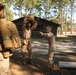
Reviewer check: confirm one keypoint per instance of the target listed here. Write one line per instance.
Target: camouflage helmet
(48, 27)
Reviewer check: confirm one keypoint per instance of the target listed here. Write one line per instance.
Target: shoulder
(50, 34)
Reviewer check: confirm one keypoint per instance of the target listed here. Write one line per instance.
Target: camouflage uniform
(26, 42)
(51, 42)
(4, 53)
(7, 44)
(9, 37)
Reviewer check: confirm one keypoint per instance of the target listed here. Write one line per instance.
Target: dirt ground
(65, 51)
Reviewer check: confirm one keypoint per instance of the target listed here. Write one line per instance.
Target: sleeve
(48, 34)
(34, 25)
(25, 21)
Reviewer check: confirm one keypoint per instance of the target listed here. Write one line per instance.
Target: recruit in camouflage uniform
(9, 36)
(51, 41)
(9, 39)
(29, 24)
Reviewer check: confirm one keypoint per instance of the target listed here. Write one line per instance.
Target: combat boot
(50, 65)
(23, 59)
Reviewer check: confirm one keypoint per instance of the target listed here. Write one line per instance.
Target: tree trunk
(71, 19)
(26, 11)
(66, 21)
(61, 19)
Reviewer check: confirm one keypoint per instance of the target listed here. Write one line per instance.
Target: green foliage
(54, 10)
(9, 14)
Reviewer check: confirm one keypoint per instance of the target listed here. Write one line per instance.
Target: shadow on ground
(38, 66)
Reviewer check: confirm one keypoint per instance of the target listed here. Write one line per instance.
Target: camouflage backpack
(9, 34)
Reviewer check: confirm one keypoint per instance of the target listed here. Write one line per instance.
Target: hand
(41, 33)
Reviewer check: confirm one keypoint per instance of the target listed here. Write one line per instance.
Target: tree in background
(62, 16)
(52, 10)
(28, 6)
(72, 4)
(9, 14)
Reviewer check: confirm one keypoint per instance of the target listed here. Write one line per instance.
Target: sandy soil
(64, 52)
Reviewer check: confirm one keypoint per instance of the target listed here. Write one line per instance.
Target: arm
(24, 27)
(25, 21)
(34, 25)
(46, 34)
(41, 33)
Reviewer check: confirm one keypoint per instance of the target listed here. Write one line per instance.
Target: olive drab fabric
(9, 34)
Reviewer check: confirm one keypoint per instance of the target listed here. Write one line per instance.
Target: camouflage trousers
(51, 55)
(26, 47)
(4, 66)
